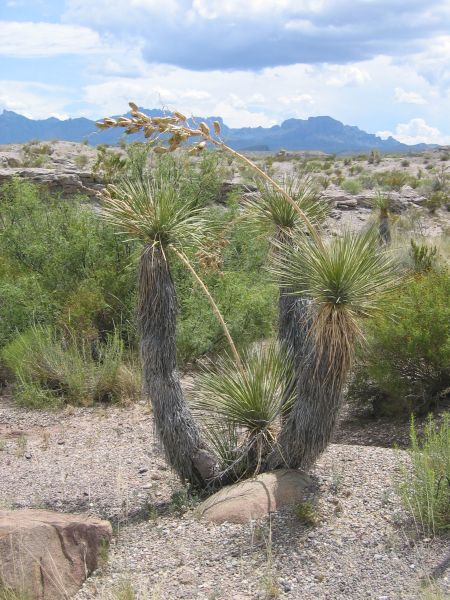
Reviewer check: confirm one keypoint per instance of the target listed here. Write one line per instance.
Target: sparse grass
(81, 160)
(51, 370)
(36, 154)
(21, 445)
(306, 513)
(431, 591)
(8, 593)
(103, 551)
(425, 490)
(124, 591)
(269, 582)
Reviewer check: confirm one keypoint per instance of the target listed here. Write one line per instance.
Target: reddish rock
(46, 555)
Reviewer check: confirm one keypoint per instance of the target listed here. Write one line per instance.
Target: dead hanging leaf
(216, 127)
(133, 106)
(179, 116)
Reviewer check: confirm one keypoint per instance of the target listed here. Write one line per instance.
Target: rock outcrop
(67, 182)
(46, 555)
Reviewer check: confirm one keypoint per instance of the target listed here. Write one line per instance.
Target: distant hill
(315, 133)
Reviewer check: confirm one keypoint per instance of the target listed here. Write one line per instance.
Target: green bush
(393, 180)
(405, 365)
(352, 186)
(61, 267)
(425, 488)
(241, 288)
(51, 369)
(57, 259)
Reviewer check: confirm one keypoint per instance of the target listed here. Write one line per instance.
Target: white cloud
(416, 131)
(296, 99)
(32, 40)
(434, 62)
(404, 97)
(214, 9)
(33, 99)
(347, 75)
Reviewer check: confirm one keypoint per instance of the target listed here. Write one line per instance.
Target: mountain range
(315, 133)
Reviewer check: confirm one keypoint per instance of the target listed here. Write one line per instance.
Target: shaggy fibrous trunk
(309, 426)
(292, 318)
(175, 425)
(292, 324)
(384, 230)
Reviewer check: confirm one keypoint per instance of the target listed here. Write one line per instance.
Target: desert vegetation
(246, 313)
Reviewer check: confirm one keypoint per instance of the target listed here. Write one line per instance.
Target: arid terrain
(357, 544)
(106, 461)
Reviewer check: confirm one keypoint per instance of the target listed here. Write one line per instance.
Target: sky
(382, 65)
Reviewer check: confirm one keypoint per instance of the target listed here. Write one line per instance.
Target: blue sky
(383, 65)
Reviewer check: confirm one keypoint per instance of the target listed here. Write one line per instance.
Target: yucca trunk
(308, 429)
(384, 230)
(175, 425)
(292, 318)
(292, 324)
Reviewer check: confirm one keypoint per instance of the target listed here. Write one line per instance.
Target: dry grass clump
(51, 370)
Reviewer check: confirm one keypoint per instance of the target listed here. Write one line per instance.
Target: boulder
(67, 182)
(347, 204)
(257, 497)
(46, 555)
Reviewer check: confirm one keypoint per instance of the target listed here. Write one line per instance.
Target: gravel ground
(107, 462)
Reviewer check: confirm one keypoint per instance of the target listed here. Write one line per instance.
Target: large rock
(46, 555)
(255, 498)
(67, 182)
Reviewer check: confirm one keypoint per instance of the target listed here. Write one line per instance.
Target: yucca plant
(345, 278)
(153, 212)
(242, 408)
(272, 215)
(341, 280)
(382, 203)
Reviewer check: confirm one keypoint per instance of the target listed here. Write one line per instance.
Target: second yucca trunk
(320, 379)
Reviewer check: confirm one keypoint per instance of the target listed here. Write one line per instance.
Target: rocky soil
(66, 167)
(107, 462)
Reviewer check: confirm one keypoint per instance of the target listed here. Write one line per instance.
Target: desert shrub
(233, 272)
(423, 257)
(425, 488)
(81, 160)
(374, 157)
(109, 164)
(352, 186)
(393, 180)
(405, 163)
(23, 302)
(405, 365)
(60, 256)
(35, 154)
(356, 169)
(437, 200)
(51, 369)
(61, 266)
(247, 303)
